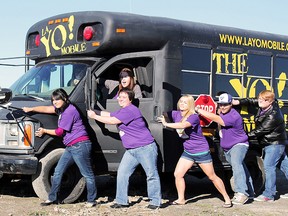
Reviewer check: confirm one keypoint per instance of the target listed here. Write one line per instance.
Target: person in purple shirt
(76, 140)
(140, 149)
(196, 148)
(126, 80)
(234, 141)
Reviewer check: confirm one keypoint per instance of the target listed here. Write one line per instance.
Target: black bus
(169, 58)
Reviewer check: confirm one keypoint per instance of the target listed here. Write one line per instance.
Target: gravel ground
(17, 198)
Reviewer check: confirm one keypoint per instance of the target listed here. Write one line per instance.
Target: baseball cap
(225, 99)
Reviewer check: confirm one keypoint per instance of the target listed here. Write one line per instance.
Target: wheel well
(48, 146)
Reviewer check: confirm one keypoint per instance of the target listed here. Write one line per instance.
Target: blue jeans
(284, 164)
(147, 157)
(242, 179)
(80, 153)
(272, 157)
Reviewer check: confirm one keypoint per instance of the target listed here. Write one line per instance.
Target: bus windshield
(43, 79)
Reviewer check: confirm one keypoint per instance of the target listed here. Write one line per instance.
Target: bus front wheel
(72, 183)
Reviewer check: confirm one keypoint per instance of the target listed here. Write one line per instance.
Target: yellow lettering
(217, 57)
(252, 92)
(45, 40)
(76, 48)
(281, 83)
(63, 33)
(242, 63)
(238, 62)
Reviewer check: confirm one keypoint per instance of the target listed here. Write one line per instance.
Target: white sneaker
(262, 198)
(284, 196)
(90, 204)
(239, 199)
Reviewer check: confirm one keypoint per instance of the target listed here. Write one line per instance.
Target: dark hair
(128, 72)
(60, 94)
(129, 92)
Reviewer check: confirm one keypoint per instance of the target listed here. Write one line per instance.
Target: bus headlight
(13, 130)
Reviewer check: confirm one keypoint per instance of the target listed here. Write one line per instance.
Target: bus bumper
(18, 164)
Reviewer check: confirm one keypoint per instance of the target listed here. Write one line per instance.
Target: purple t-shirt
(133, 131)
(233, 132)
(194, 142)
(70, 121)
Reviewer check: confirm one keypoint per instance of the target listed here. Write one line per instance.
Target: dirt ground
(17, 198)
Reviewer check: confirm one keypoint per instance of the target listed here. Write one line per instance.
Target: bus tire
(255, 166)
(72, 183)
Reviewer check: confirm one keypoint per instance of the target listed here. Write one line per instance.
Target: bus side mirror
(5, 95)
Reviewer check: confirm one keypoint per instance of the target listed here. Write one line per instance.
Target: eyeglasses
(225, 104)
(262, 100)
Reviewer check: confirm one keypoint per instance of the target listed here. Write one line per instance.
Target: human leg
(182, 167)
(284, 164)
(272, 156)
(127, 166)
(284, 169)
(64, 162)
(147, 157)
(218, 183)
(81, 153)
(235, 156)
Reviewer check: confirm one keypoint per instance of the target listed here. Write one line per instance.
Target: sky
(17, 17)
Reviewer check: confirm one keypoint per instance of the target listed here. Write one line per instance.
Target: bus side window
(144, 76)
(196, 70)
(281, 78)
(226, 76)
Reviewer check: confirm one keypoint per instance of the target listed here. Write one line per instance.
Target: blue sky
(17, 16)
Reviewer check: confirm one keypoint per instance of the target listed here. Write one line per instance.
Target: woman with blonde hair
(196, 148)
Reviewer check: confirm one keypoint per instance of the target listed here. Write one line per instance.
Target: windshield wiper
(32, 96)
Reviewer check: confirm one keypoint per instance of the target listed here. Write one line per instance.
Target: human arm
(39, 109)
(104, 117)
(41, 131)
(211, 116)
(176, 125)
(246, 102)
(137, 91)
(267, 124)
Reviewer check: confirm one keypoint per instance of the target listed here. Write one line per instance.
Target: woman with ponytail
(76, 140)
(196, 148)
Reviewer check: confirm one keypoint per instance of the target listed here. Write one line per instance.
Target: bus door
(143, 68)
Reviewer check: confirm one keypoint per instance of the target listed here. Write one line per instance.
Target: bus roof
(96, 33)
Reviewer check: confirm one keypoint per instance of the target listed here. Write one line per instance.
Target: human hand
(161, 119)
(40, 132)
(91, 114)
(235, 102)
(27, 109)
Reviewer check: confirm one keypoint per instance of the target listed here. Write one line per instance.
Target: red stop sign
(207, 103)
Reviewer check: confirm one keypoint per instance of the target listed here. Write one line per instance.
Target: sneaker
(262, 198)
(90, 204)
(239, 199)
(153, 207)
(284, 196)
(47, 203)
(116, 205)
